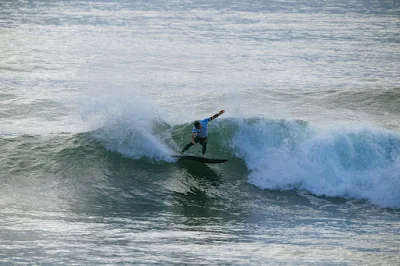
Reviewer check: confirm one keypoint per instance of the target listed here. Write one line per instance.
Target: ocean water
(96, 97)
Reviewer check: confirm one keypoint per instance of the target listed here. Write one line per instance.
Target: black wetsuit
(203, 142)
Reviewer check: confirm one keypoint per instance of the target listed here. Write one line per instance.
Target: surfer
(200, 133)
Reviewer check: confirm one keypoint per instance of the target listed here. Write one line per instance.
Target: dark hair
(196, 124)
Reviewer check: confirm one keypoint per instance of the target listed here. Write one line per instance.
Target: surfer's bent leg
(203, 143)
(190, 144)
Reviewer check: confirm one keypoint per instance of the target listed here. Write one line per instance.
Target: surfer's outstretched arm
(216, 115)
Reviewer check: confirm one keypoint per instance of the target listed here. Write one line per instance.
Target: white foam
(354, 163)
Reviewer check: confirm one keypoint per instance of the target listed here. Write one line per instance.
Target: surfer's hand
(221, 112)
(193, 142)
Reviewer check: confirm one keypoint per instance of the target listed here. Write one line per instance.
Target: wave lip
(362, 164)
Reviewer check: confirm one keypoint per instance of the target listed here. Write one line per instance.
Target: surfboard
(199, 159)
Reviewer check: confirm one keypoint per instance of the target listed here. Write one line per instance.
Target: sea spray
(124, 121)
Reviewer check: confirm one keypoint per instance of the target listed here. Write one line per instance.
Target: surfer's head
(197, 124)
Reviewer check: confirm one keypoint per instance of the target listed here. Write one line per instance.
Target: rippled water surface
(95, 97)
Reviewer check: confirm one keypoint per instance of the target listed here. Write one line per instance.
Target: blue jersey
(203, 132)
